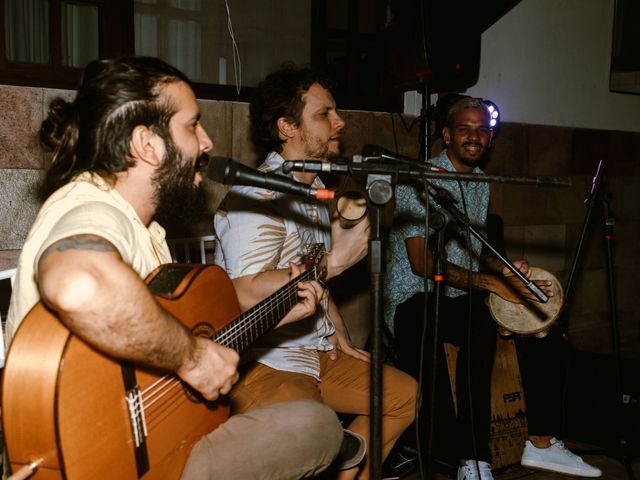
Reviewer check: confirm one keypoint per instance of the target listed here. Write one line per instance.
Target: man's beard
(473, 161)
(178, 201)
(316, 149)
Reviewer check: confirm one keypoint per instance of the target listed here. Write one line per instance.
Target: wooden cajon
(508, 417)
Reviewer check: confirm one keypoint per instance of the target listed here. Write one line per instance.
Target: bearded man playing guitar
(127, 152)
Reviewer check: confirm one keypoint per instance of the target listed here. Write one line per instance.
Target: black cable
(469, 320)
(423, 335)
(408, 128)
(425, 49)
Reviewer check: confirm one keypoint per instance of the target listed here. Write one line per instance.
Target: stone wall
(541, 224)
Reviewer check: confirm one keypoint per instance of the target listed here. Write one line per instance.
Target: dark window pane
(80, 34)
(26, 26)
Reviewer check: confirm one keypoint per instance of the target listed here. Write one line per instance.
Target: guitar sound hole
(195, 397)
(201, 329)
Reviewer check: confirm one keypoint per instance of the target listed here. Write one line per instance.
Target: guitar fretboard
(250, 325)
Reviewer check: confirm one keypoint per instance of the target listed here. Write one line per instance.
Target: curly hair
(93, 132)
(280, 95)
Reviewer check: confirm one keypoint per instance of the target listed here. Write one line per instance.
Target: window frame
(115, 40)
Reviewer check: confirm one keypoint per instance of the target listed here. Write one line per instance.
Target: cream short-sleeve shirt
(86, 205)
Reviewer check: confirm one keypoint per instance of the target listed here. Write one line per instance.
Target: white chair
(5, 275)
(192, 249)
(10, 275)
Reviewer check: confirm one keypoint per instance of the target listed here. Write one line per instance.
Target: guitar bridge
(136, 415)
(136, 418)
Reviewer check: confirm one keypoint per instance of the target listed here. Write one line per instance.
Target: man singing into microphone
(261, 232)
(125, 153)
(464, 317)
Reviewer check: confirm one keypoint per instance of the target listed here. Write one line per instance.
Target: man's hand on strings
(310, 293)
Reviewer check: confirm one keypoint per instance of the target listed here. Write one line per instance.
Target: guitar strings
(245, 322)
(234, 331)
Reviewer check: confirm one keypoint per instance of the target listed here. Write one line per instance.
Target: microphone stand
(590, 200)
(400, 168)
(609, 222)
(438, 278)
(425, 117)
(596, 195)
(379, 192)
(410, 170)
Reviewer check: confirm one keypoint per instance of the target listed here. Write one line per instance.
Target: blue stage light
(494, 112)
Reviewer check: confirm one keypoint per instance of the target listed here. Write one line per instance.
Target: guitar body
(64, 404)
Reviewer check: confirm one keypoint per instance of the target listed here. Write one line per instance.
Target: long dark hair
(93, 132)
(280, 95)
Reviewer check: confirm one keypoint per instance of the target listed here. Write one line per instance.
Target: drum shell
(531, 318)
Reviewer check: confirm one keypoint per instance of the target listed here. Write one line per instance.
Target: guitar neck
(252, 324)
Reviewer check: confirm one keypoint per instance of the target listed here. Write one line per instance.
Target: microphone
(362, 164)
(377, 151)
(315, 166)
(374, 159)
(229, 172)
(403, 168)
(595, 182)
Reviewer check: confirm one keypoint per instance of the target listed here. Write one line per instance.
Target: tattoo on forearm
(80, 242)
(459, 277)
(456, 277)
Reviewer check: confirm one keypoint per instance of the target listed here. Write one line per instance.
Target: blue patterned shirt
(400, 282)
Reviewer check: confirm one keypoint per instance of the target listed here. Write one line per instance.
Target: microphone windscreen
(218, 168)
(370, 150)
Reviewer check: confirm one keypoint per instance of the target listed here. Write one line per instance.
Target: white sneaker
(469, 471)
(557, 458)
(352, 450)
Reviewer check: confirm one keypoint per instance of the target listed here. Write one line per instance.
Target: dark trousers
(542, 368)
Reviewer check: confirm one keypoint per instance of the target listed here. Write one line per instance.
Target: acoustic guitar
(71, 412)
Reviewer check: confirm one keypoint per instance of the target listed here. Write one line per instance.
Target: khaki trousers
(344, 387)
(283, 441)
